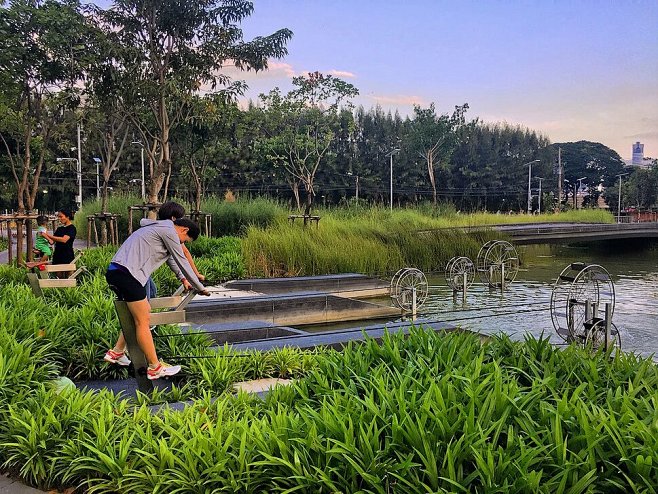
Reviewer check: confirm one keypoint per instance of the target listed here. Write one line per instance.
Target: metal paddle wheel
(460, 273)
(409, 289)
(580, 293)
(497, 263)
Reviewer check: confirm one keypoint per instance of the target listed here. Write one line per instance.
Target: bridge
(564, 233)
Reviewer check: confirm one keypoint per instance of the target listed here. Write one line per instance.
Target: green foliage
(301, 126)
(592, 160)
(429, 412)
(378, 241)
(233, 218)
(117, 204)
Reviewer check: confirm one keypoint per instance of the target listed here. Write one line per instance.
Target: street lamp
(98, 180)
(349, 174)
(138, 143)
(619, 199)
(529, 165)
(390, 154)
(78, 198)
(580, 184)
(539, 202)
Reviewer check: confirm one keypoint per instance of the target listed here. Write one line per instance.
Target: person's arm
(63, 239)
(188, 256)
(175, 249)
(174, 267)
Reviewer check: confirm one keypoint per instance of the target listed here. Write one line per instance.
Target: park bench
(306, 217)
(40, 275)
(174, 314)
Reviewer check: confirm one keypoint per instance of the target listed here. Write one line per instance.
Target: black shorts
(125, 286)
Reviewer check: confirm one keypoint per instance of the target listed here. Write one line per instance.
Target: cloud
(653, 134)
(275, 70)
(341, 73)
(397, 99)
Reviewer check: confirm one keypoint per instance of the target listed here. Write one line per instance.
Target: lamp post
(98, 180)
(529, 165)
(390, 154)
(78, 172)
(619, 199)
(138, 143)
(580, 184)
(349, 174)
(539, 201)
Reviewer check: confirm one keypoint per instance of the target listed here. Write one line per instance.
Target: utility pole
(529, 165)
(390, 154)
(560, 178)
(619, 198)
(539, 201)
(79, 170)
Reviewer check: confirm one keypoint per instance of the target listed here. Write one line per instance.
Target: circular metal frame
(577, 284)
(402, 285)
(595, 337)
(497, 263)
(456, 268)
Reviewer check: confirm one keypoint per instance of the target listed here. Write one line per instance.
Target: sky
(569, 69)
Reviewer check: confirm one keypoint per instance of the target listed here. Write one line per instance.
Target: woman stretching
(137, 258)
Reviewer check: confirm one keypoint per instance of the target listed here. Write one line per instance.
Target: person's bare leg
(141, 311)
(120, 345)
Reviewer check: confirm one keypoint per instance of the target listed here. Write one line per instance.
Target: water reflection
(524, 306)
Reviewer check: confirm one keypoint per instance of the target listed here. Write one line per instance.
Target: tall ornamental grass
(117, 204)
(228, 218)
(427, 413)
(235, 217)
(366, 245)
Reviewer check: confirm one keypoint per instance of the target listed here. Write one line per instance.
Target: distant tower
(638, 153)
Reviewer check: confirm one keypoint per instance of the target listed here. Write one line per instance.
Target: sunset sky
(570, 69)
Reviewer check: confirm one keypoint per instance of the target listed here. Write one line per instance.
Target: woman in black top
(63, 238)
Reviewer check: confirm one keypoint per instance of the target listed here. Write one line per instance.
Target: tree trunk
(430, 171)
(295, 190)
(309, 197)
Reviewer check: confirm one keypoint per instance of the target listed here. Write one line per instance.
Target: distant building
(638, 154)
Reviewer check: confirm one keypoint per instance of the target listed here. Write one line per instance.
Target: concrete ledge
(333, 283)
(288, 310)
(338, 339)
(223, 333)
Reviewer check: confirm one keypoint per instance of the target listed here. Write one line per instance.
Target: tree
(434, 138)
(488, 169)
(597, 163)
(38, 73)
(204, 140)
(302, 126)
(170, 50)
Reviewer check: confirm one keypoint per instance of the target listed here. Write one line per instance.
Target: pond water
(524, 307)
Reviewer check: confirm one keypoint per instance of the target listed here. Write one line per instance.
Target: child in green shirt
(42, 245)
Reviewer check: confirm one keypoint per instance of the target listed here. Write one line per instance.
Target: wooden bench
(40, 277)
(307, 218)
(175, 314)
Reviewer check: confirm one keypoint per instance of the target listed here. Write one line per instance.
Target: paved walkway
(13, 486)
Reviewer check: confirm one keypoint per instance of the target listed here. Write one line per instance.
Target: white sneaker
(118, 358)
(162, 370)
